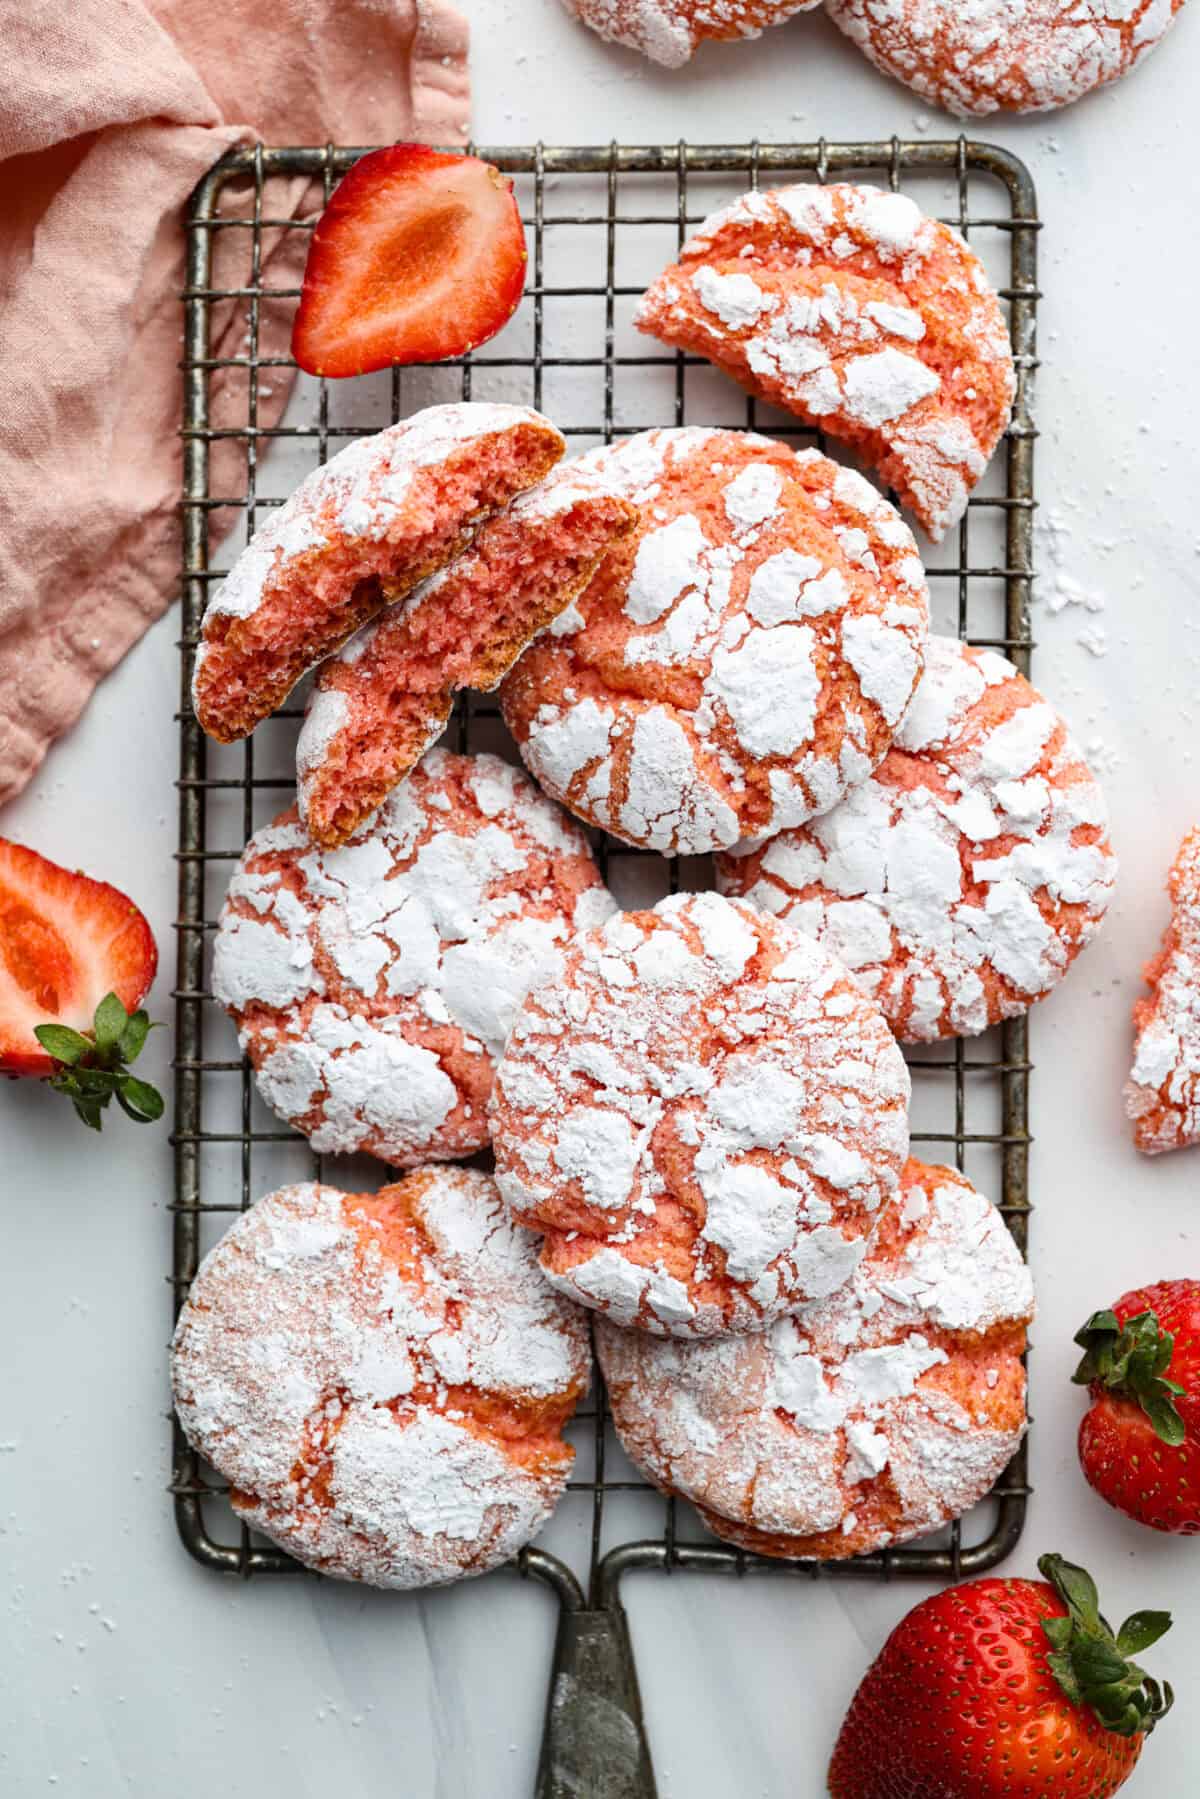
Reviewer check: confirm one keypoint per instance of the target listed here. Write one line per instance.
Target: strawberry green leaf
(1064, 1673)
(61, 1042)
(134, 1036)
(109, 1021)
(1075, 1586)
(1161, 1411)
(1140, 1630)
(95, 1081)
(140, 1100)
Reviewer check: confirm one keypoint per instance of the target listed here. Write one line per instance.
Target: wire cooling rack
(601, 223)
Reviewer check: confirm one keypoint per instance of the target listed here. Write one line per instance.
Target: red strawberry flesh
(420, 255)
(65, 941)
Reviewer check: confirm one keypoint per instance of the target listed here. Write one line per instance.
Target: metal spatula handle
(594, 1745)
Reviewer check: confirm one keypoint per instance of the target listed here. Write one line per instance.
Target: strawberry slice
(419, 255)
(65, 942)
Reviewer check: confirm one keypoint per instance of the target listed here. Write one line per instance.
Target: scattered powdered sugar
(1060, 591)
(992, 54)
(703, 1114)
(1162, 1096)
(870, 1416)
(960, 881)
(361, 1368)
(845, 304)
(668, 31)
(373, 985)
(772, 608)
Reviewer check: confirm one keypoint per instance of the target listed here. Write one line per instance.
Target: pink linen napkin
(112, 110)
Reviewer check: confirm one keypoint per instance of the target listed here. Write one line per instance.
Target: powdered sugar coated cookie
(670, 31)
(377, 706)
(739, 662)
(849, 307)
(867, 1418)
(990, 55)
(703, 1114)
(358, 532)
(961, 881)
(1163, 1093)
(383, 1378)
(373, 985)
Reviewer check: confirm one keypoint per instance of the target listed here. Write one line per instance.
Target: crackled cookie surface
(1162, 1096)
(704, 1116)
(383, 1378)
(373, 985)
(670, 31)
(867, 1418)
(992, 55)
(739, 661)
(961, 881)
(357, 534)
(378, 705)
(849, 307)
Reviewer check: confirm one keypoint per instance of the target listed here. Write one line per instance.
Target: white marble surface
(124, 1668)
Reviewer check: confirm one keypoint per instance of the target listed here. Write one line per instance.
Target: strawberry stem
(1133, 1359)
(92, 1065)
(1092, 1666)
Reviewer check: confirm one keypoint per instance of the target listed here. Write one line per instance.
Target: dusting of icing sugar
(1060, 591)
(770, 609)
(992, 55)
(351, 1396)
(962, 878)
(373, 985)
(669, 31)
(909, 1371)
(1162, 1095)
(848, 306)
(702, 1064)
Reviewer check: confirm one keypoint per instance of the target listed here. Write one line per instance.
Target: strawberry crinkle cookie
(379, 704)
(358, 533)
(704, 1116)
(373, 985)
(383, 1378)
(670, 31)
(1162, 1096)
(869, 1417)
(961, 881)
(737, 663)
(850, 308)
(992, 55)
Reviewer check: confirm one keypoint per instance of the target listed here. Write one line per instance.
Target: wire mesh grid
(601, 223)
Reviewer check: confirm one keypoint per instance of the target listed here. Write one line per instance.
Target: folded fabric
(112, 111)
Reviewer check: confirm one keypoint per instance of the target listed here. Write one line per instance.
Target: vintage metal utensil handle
(594, 1745)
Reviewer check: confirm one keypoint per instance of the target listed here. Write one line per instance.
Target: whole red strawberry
(1013, 1688)
(1140, 1440)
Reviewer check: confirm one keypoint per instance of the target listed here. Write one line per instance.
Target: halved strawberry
(65, 942)
(419, 255)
